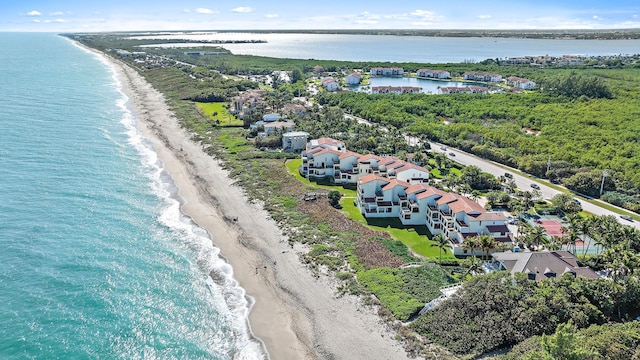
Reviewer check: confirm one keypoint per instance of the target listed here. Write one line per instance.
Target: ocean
(97, 261)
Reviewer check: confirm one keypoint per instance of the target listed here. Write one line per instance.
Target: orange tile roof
(368, 157)
(446, 198)
(464, 204)
(416, 188)
(327, 150)
(490, 216)
(393, 183)
(371, 177)
(347, 154)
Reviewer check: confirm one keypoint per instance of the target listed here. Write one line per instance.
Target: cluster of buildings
(395, 89)
(388, 187)
(433, 74)
(330, 84)
(386, 71)
(517, 83)
(522, 83)
(482, 76)
(246, 102)
(464, 90)
(273, 124)
(546, 60)
(353, 79)
(540, 265)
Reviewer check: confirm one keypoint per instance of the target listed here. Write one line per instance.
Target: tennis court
(552, 227)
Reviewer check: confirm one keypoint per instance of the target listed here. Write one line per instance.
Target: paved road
(522, 180)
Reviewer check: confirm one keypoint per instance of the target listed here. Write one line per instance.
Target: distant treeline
(529, 34)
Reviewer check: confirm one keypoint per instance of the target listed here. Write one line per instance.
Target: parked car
(508, 175)
(535, 186)
(452, 154)
(626, 217)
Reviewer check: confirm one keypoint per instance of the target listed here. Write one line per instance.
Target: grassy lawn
(415, 237)
(293, 165)
(222, 114)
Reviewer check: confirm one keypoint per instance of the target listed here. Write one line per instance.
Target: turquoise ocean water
(96, 260)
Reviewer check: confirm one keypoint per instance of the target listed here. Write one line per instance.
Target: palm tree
(471, 244)
(610, 233)
(537, 236)
(473, 266)
(586, 227)
(556, 243)
(441, 242)
(487, 243)
(572, 229)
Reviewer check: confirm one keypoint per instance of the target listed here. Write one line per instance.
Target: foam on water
(98, 260)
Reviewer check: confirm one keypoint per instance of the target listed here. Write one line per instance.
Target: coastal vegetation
(550, 134)
(496, 310)
(582, 135)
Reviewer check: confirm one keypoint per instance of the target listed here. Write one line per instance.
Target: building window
(388, 210)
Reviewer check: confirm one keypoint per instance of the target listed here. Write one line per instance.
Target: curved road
(523, 181)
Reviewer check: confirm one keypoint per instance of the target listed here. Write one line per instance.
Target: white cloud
(36, 20)
(242, 9)
(366, 22)
(596, 17)
(368, 15)
(34, 13)
(424, 14)
(56, 21)
(205, 11)
(484, 16)
(635, 16)
(272, 16)
(57, 13)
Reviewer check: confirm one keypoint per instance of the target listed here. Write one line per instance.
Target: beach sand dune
(295, 315)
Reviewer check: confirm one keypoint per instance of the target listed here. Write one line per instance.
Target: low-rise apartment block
(388, 187)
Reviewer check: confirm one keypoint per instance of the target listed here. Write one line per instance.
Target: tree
(472, 244)
(536, 237)
(473, 265)
(565, 203)
(296, 75)
(441, 242)
(565, 344)
(487, 243)
(334, 198)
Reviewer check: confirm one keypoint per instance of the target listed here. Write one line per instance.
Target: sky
(141, 15)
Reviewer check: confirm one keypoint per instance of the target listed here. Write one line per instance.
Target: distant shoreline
(293, 314)
(581, 34)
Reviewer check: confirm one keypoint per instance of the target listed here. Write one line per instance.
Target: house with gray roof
(540, 265)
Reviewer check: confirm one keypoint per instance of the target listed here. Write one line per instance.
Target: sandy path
(295, 315)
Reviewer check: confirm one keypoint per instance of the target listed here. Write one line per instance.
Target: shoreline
(291, 313)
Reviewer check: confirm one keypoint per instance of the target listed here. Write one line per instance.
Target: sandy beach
(295, 315)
